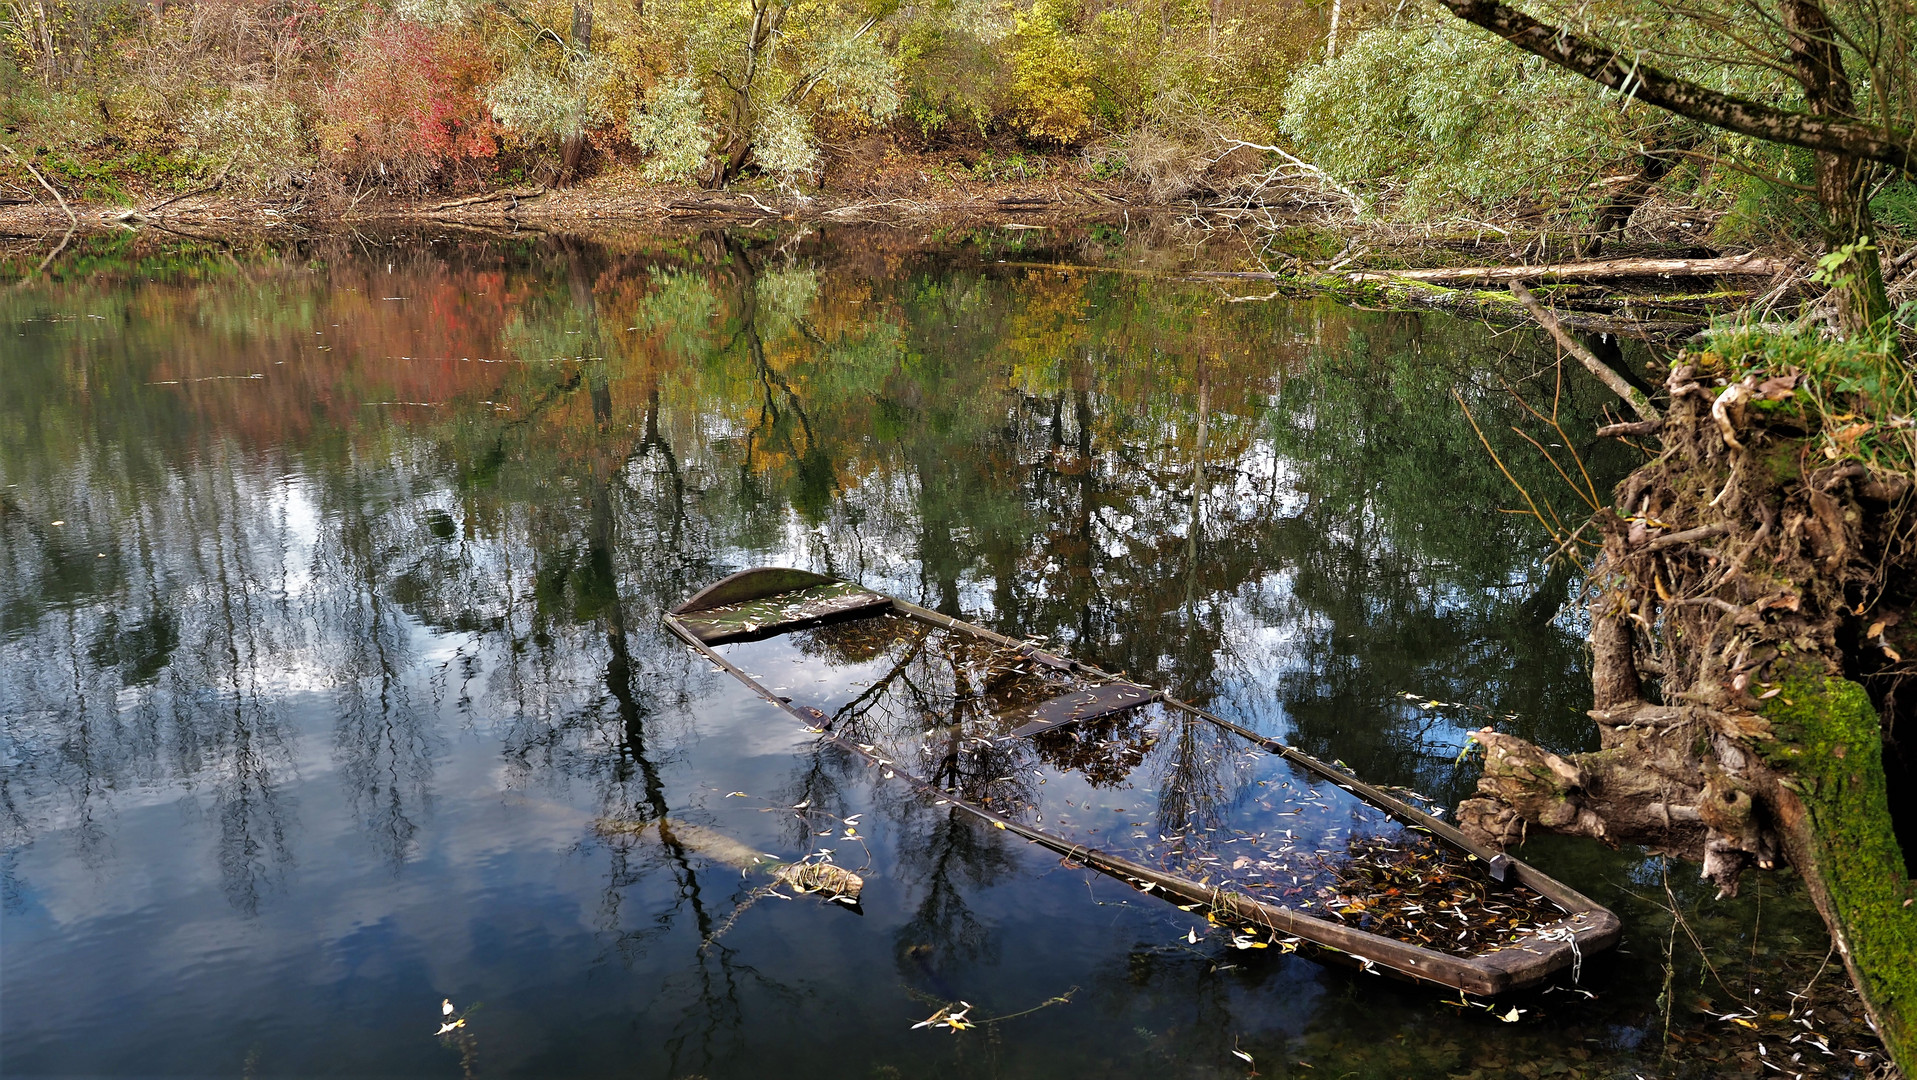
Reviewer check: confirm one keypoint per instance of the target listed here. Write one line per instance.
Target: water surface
(333, 685)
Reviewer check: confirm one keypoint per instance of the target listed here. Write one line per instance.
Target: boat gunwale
(1586, 926)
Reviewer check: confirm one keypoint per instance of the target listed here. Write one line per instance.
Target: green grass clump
(1858, 396)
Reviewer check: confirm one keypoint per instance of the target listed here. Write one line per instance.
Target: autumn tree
(1851, 97)
(755, 82)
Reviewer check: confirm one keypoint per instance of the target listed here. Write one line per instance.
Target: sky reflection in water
(330, 583)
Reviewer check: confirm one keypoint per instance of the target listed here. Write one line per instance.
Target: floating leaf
(948, 1017)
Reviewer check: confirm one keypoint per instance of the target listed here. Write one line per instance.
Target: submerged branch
(1631, 394)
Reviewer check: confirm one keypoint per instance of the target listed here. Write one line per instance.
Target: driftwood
(1596, 270)
(833, 882)
(1636, 427)
(495, 196)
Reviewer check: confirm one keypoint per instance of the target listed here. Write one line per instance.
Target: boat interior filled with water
(1279, 848)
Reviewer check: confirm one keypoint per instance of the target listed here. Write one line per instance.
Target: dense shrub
(545, 101)
(1453, 117)
(255, 133)
(403, 107)
(672, 130)
(1051, 76)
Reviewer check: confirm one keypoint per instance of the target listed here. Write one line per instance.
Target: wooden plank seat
(778, 613)
(1079, 706)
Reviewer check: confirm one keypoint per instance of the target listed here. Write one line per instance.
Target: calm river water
(330, 582)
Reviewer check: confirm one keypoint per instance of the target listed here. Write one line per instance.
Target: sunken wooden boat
(1279, 847)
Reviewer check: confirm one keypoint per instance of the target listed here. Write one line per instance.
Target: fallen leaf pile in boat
(1417, 889)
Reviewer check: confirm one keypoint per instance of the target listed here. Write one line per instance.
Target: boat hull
(768, 602)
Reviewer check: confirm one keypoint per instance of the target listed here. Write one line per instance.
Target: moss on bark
(1828, 751)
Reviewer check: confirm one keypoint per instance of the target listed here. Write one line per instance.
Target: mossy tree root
(1749, 623)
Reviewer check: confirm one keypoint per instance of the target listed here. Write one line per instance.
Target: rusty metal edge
(1590, 927)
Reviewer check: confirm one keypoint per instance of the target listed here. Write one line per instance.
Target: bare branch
(1631, 394)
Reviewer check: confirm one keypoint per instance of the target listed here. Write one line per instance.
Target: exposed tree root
(1749, 615)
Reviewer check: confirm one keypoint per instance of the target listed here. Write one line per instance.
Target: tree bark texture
(573, 150)
(1629, 76)
(1764, 589)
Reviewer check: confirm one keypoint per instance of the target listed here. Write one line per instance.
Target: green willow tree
(1854, 108)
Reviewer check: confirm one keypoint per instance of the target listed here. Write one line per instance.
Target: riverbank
(1283, 242)
(1303, 216)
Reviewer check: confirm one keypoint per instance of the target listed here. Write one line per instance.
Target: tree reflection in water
(457, 518)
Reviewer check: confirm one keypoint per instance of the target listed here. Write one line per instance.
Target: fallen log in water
(487, 197)
(1596, 270)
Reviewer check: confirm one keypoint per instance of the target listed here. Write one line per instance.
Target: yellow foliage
(1050, 77)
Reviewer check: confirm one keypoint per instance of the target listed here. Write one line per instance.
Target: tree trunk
(1843, 181)
(573, 150)
(49, 52)
(1654, 164)
(767, 15)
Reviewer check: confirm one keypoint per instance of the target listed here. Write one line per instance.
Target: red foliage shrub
(405, 105)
